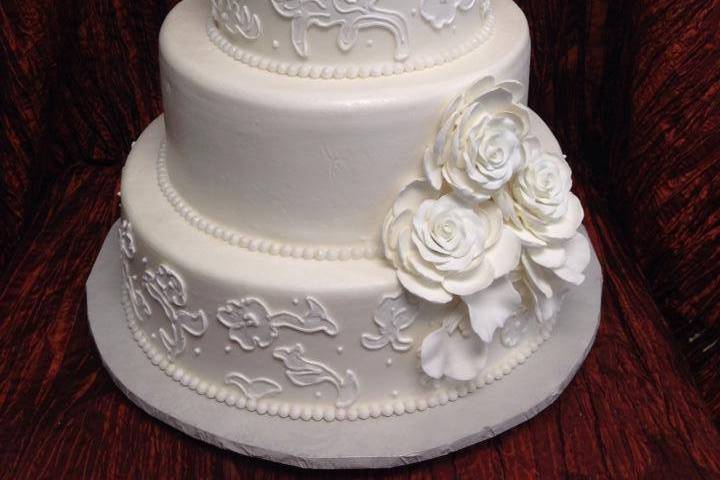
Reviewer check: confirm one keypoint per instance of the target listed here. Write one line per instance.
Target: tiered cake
(347, 211)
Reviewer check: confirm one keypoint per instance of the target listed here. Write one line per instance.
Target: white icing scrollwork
(236, 19)
(303, 372)
(127, 240)
(139, 304)
(167, 289)
(441, 13)
(255, 388)
(350, 15)
(393, 314)
(251, 325)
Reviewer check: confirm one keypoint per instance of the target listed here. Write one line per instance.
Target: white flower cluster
(494, 224)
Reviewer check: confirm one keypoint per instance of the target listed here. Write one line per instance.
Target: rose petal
(421, 267)
(544, 308)
(492, 214)
(578, 252)
(412, 195)
(467, 283)
(433, 171)
(548, 257)
(570, 275)
(490, 308)
(453, 356)
(412, 262)
(423, 288)
(536, 277)
(527, 237)
(516, 89)
(463, 185)
(533, 147)
(504, 256)
(433, 353)
(568, 225)
(578, 257)
(491, 102)
(426, 253)
(506, 204)
(480, 87)
(436, 158)
(392, 228)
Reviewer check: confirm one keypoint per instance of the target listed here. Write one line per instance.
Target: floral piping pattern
(251, 325)
(303, 373)
(255, 388)
(236, 19)
(392, 315)
(255, 244)
(320, 71)
(257, 393)
(139, 303)
(274, 407)
(350, 15)
(127, 240)
(441, 13)
(168, 290)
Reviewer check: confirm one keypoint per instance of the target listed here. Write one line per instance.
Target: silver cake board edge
(374, 443)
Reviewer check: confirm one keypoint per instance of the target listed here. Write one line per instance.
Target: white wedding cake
(347, 211)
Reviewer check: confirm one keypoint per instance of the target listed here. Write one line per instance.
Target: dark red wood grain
(631, 89)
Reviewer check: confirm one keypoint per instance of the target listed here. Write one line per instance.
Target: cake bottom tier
(304, 339)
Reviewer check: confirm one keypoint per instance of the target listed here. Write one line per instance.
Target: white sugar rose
(442, 247)
(546, 216)
(483, 140)
(545, 210)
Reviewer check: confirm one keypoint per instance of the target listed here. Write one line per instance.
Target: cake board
(376, 443)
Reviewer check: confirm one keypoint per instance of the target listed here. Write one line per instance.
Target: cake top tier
(348, 38)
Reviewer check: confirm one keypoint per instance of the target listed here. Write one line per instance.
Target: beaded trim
(365, 250)
(330, 413)
(352, 71)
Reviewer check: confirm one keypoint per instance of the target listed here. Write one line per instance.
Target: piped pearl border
(306, 412)
(359, 251)
(304, 70)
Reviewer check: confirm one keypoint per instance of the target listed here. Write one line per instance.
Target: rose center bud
(495, 154)
(547, 179)
(446, 229)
